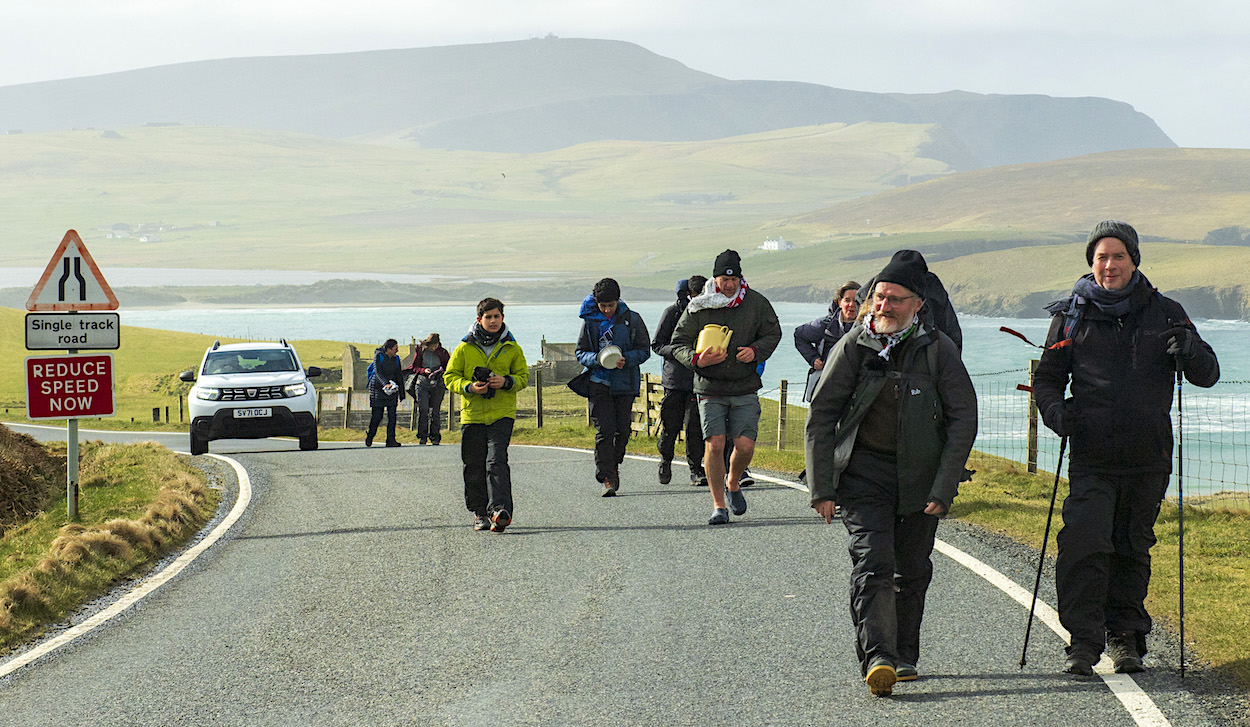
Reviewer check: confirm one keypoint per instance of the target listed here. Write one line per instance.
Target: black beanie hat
(1121, 231)
(908, 269)
(727, 263)
(606, 291)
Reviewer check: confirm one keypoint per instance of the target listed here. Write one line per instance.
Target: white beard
(889, 326)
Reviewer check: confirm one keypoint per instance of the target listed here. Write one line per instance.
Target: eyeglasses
(891, 299)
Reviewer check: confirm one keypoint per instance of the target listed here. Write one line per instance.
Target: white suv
(252, 390)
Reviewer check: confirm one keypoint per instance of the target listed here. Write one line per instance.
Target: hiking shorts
(733, 416)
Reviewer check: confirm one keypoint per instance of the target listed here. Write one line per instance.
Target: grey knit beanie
(1121, 231)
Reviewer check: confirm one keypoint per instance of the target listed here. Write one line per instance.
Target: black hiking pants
(487, 475)
(680, 409)
(1102, 571)
(430, 393)
(612, 415)
(890, 561)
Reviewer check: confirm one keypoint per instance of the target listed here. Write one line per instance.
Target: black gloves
(1180, 341)
(1058, 417)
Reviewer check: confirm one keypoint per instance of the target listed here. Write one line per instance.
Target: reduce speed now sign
(73, 386)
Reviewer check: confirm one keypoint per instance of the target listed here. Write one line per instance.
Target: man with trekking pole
(1119, 343)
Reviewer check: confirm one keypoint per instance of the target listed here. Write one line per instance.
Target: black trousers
(890, 562)
(487, 476)
(430, 392)
(1102, 571)
(680, 409)
(376, 418)
(612, 416)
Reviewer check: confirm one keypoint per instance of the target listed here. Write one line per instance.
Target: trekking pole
(1180, 501)
(1054, 494)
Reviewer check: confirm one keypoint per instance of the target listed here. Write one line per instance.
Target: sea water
(1216, 420)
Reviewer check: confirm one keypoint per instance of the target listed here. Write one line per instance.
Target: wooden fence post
(1032, 455)
(781, 417)
(347, 409)
(538, 395)
(646, 404)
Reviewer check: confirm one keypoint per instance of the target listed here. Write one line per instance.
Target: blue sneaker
(737, 502)
(719, 517)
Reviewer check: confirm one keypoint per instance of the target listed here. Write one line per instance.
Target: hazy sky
(1185, 64)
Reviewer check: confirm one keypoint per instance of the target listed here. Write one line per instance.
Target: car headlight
(294, 390)
(208, 393)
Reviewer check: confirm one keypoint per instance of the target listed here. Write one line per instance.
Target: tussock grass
(137, 502)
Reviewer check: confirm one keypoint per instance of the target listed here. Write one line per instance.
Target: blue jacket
(627, 332)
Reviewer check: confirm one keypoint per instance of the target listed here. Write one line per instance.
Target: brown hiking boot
(881, 678)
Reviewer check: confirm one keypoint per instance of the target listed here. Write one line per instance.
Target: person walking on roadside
(612, 344)
(488, 368)
(679, 408)
(814, 340)
(726, 376)
(428, 388)
(891, 424)
(1118, 343)
(386, 390)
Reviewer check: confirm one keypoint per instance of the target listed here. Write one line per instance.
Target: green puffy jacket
(506, 359)
(937, 415)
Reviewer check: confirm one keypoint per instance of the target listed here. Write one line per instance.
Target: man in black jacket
(890, 427)
(679, 406)
(1120, 343)
(937, 312)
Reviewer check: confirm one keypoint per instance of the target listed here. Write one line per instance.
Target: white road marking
(148, 585)
(1139, 704)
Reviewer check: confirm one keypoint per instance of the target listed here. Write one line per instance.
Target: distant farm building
(777, 244)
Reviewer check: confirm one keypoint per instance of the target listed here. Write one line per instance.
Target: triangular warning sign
(71, 281)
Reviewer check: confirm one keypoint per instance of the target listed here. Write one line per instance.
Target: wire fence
(1213, 437)
(1211, 428)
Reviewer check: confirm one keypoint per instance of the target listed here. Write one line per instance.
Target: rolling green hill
(644, 212)
(233, 198)
(1178, 194)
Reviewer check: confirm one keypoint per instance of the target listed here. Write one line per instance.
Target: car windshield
(245, 362)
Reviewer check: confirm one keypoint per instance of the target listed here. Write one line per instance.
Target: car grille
(252, 393)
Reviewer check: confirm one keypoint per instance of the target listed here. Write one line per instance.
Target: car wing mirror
(187, 376)
(314, 371)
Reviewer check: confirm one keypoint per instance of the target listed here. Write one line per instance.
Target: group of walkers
(386, 376)
(891, 424)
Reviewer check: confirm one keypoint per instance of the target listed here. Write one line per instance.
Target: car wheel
(199, 445)
(308, 443)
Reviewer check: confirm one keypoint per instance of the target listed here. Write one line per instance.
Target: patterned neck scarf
(485, 338)
(889, 340)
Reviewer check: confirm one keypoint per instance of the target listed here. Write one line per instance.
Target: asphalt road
(354, 592)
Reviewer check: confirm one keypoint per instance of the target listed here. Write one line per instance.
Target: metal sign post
(73, 386)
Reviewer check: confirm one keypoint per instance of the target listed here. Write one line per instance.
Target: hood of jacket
(590, 310)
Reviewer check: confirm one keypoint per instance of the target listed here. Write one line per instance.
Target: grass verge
(1005, 498)
(137, 502)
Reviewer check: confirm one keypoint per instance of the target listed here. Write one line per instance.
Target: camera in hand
(483, 374)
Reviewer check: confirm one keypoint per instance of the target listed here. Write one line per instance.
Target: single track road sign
(72, 281)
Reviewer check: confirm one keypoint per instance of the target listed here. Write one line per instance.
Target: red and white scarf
(713, 298)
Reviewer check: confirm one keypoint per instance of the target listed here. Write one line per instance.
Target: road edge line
(148, 585)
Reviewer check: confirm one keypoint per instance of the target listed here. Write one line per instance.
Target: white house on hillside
(777, 244)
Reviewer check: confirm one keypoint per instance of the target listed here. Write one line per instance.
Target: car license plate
(252, 413)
